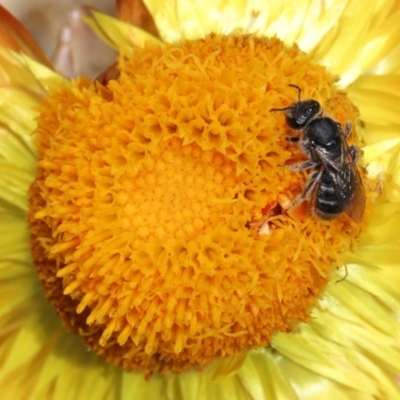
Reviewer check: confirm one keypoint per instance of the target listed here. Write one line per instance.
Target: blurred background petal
(58, 28)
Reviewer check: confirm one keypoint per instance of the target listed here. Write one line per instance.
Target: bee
(335, 183)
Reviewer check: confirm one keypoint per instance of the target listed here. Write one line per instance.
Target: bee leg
(355, 153)
(292, 139)
(303, 165)
(347, 129)
(314, 178)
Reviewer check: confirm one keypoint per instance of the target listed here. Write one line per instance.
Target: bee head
(299, 114)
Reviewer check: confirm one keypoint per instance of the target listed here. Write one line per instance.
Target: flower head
(149, 195)
(162, 219)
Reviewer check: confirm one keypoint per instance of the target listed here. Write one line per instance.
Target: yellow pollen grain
(151, 192)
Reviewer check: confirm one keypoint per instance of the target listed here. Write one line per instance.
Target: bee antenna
(298, 89)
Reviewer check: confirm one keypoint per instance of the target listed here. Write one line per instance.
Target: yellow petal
(14, 182)
(378, 98)
(230, 388)
(182, 19)
(34, 344)
(384, 226)
(363, 34)
(291, 22)
(387, 254)
(15, 151)
(390, 64)
(312, 386)
(134, 386)
(385, 156)
(17, 288)
(263, 378)
(350, 37)
(366, 347)
(118, 34)
(177, 20)
(22, 72)
(383, 281)
(229, 366)
(358, 304)
(17, 103)
(318, 355)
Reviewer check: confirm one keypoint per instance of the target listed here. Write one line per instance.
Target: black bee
(335, 182)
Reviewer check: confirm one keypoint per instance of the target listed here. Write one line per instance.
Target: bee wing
(346, 180)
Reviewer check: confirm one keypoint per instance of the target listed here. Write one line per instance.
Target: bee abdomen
(326, 204)
(326, 189)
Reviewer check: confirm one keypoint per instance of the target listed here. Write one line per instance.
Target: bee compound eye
(307, 112)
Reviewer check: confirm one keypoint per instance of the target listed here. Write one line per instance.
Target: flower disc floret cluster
(159, 214)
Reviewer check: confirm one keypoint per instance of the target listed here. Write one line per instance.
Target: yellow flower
(160, 211)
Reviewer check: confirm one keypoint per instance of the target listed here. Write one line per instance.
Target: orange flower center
(177, 193)
(160, 216)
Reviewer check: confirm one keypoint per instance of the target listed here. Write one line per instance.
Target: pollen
(161, 215)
